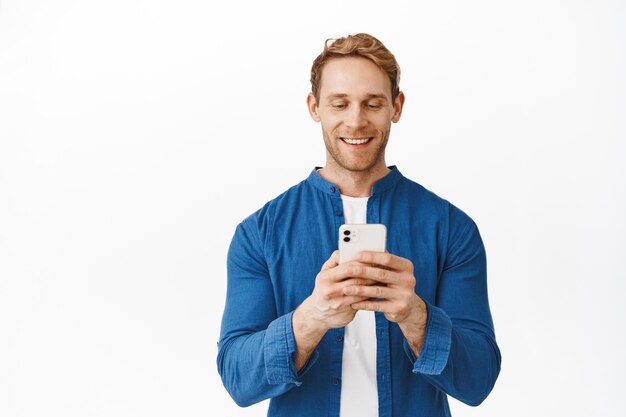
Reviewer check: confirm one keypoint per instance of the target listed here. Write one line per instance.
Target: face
(355, 110)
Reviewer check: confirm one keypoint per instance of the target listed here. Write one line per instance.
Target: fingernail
(348, 290)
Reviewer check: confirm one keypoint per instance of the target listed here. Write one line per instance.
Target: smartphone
(355, 238)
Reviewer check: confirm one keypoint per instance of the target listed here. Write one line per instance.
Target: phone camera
(346, 239)
(346, 232)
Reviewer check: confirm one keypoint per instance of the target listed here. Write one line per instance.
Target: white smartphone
(355, 238)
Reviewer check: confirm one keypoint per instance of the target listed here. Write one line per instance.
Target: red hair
(360, 45)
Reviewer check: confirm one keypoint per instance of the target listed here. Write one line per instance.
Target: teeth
(355, 141)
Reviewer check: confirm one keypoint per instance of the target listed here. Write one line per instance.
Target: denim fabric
(273, 260)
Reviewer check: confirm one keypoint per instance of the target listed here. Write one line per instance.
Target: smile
(356, 141)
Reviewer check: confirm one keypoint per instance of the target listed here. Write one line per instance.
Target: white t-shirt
(359, 389)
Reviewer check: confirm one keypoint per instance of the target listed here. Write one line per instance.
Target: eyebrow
(368, 96)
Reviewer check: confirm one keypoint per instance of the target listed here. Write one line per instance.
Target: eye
(374, 106)
(338, 106)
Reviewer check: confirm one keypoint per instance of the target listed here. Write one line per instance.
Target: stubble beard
(333, 149)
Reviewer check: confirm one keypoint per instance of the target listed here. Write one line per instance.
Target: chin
(359, 167)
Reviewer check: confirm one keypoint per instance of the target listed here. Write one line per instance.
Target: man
(390, 334)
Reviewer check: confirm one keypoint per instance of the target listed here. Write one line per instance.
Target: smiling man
(355, 111)
(390, 334)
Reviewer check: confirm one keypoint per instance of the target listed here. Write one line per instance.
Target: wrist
(306, 321)
(307, 333)
(414, 326)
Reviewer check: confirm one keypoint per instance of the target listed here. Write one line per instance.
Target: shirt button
(333, 189)
(339, 338)
(336, 381)
(338, 213)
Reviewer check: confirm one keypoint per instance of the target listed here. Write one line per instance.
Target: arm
(256, 348)
(260, 354)
(328, 307)
(460, 355)
(307, 335)
(451, 344)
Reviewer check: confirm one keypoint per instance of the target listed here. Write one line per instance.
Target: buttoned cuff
(434, 354)
(279, 348)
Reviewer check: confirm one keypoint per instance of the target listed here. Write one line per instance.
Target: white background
(135, 135)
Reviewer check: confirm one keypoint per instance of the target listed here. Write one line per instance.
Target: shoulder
(263, 218)
(431, 204)
(457, 233)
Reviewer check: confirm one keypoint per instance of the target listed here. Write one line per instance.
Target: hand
(329, 305)
(393, 294)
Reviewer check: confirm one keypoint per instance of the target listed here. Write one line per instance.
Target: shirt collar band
(385, 183)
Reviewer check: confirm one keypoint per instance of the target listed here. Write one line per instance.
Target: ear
(311, 103)
(397, 107)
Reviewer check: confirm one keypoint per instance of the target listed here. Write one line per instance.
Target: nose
(356, 118)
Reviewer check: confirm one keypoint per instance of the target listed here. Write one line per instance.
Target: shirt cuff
(279, 348)
(435, 351)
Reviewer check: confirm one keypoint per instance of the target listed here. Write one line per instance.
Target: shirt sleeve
(257, 347)
(460, 355)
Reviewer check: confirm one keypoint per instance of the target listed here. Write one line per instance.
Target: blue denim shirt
(273, 260)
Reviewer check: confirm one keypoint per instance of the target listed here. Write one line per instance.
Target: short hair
(359, 45)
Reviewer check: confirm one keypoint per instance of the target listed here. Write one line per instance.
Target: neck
(354, 183)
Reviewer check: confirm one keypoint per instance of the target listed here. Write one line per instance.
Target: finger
(353, 299)
(343, 271)
(337, 289)
(373, 305)
(360, 270)
(332, 262)
(376, 273)
(357, 281)
(387, 259)
(371, 291)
